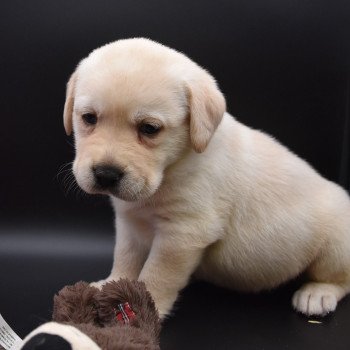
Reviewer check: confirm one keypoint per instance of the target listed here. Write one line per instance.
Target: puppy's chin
(125, 193)
(129, 197)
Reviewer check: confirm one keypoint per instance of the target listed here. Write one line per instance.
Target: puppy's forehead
(107, 86)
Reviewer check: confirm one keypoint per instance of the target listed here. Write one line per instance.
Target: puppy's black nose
(107, 176)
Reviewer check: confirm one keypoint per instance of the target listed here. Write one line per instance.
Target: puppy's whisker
(69, 178)
(79, 193)
(63, 171)
(63, 174)
(70, 144)
(65, 165)
(64, 168)
(70, 185)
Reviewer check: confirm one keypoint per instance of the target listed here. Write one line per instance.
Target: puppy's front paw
(99, 284)
(163, 313)
(164, 306)
(317, 299)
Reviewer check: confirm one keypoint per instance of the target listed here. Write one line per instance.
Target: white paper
(9, 340)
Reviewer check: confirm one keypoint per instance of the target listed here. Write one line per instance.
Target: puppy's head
(136, 107)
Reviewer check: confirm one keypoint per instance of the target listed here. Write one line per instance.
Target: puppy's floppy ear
(206, 107)
(69, 104)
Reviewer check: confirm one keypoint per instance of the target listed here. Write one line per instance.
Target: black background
(283, 66)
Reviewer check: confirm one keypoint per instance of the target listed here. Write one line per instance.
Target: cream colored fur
(207, 195)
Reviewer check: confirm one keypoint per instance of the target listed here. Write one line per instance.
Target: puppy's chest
(143, 222)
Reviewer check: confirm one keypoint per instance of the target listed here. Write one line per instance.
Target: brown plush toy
(120, 316)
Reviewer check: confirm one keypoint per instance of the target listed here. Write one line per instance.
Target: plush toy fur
(85, 318)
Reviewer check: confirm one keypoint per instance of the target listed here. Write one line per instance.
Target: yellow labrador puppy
(194, 190)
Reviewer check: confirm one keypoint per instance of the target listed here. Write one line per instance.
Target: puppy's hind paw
(316, 299)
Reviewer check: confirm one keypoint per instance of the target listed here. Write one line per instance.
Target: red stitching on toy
(124, 313)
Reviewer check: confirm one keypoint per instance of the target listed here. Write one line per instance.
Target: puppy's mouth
(125, 192)
(112, 181)
(120, 191)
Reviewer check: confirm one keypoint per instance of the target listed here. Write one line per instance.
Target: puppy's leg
(129, 255)
(316, 298)
(330, 276)
(168, 269)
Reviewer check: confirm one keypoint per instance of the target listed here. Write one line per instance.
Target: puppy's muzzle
(107, 177)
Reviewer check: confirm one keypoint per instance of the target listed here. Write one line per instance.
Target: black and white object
(56, 336)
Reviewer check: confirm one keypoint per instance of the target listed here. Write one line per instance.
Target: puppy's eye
(149, 129)
(90, 118)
